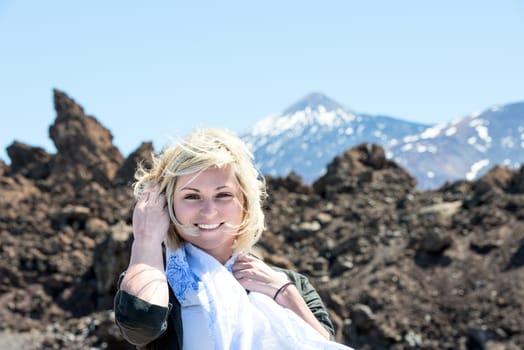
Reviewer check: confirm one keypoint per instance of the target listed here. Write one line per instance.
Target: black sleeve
(139, 322)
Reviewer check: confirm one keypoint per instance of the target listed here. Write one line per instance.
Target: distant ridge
(465, 148)
(310, 132)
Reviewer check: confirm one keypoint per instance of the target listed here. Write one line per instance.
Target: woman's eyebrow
(197, 190)
(189, 189)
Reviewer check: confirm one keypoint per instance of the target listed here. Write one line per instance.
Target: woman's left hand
(256, 276)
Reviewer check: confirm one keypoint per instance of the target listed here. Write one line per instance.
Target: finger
(144, 195)
(142, 200)
(241, 274)
(245, 257)
(150, 187)
(156, 197)
(252, 274)
(245, 262)
(241, 266)
(245, 283)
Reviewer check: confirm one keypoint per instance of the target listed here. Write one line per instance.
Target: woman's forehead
(214, 177)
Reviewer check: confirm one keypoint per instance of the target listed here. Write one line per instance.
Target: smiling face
(211, 203)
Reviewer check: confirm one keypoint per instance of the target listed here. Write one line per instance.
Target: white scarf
(218, 314)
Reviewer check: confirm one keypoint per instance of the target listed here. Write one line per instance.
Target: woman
(202, 200)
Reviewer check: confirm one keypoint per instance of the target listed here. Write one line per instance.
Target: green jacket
(150, 327)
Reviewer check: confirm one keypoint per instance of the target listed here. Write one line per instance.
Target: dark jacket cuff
(140, 322)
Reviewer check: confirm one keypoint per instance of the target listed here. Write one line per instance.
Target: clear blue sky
(148, 70)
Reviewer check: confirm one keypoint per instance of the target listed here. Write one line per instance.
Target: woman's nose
(208, 207)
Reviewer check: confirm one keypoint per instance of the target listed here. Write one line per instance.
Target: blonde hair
(202, 149)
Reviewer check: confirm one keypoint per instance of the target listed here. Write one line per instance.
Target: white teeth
(208, 226)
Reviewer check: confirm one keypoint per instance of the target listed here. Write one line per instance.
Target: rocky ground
(398, 268)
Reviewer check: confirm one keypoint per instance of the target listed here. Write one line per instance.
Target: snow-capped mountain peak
(305, 137)
(308, 134)
(314, 109)
(313, 101)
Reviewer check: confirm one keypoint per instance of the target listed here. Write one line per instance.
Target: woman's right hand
(150, 217)
(145, 277)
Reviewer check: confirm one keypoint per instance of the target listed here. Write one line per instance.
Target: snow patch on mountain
(476, 168)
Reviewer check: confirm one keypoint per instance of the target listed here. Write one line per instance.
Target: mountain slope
(464, 149)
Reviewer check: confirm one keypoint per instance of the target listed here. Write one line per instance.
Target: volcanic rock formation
(398, 268)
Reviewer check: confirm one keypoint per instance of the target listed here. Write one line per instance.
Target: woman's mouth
(208, 226)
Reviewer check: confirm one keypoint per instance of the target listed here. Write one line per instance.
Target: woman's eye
(224, 195)
(191, 196)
